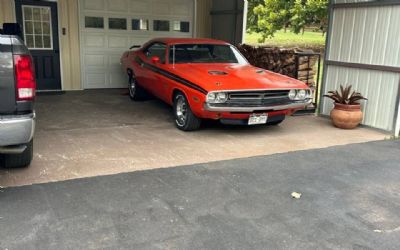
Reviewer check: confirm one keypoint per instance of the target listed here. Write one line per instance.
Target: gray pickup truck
(17, 94)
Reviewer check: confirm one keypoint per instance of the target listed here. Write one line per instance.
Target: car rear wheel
(18, 160)
(184, 118)
(136, 92)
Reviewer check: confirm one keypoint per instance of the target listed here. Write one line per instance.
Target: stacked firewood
(307, 69)
(281, 61)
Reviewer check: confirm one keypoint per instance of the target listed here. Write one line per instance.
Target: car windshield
(205, 53)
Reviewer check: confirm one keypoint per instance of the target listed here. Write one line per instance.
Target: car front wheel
(184, 118)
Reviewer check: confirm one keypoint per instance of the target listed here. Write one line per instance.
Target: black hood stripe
(170, 75)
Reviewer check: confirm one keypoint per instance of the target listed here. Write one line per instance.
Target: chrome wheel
(181, 110)
(132, 87)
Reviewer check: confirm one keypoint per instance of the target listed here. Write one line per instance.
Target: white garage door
(110, 27)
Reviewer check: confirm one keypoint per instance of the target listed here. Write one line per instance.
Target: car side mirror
(155, 59)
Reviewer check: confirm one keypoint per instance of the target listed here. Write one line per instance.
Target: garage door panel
(118, 5)
(94, 41)
(103, 45)
(95, 80)
(95, 61)
(139, 7)
(117, 80)
(94, 5)
(161, 8)
(113, 62)
(121, 42)
(138, 40)
(181, 10)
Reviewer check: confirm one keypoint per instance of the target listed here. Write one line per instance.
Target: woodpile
(282, 61)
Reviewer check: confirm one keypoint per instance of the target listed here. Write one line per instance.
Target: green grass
(309, 40)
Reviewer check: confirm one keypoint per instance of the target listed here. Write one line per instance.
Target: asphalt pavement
(350, 200)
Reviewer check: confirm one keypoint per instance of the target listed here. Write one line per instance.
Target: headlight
(292, 94)
(211, 97)
(217, 97)
(309, 94)
(301, 94)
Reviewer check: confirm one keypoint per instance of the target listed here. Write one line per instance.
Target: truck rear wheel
(18, 160)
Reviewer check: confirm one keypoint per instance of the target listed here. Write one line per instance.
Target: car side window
(156, 49)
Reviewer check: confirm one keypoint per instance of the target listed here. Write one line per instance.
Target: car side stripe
(170, 75)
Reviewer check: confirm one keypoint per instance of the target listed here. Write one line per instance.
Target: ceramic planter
(346, 116)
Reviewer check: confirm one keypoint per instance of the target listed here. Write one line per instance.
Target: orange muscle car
(210, 79)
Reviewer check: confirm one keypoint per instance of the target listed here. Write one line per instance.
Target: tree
(252, 18)
(270, 16)
(318, 9)
(300, 17)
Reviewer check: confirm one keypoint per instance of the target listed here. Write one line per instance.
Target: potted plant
(347, 112)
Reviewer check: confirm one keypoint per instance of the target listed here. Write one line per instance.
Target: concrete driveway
(90, 133)
(350, 201)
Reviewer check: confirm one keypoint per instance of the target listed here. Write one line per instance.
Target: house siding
(68, 16)
(7, 12)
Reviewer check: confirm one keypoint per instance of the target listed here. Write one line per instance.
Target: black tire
(184, 118)
(136, 92)
(275, 123)
(18, 160)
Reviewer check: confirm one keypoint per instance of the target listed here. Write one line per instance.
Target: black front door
(39, 23)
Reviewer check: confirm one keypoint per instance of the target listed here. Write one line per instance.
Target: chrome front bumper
(297, 105)
(16, 129)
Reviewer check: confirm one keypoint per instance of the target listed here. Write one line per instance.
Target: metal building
(363, 50)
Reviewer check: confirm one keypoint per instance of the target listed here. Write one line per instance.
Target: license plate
(258, 119)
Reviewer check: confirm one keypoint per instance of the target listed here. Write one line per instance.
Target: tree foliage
(269, 16)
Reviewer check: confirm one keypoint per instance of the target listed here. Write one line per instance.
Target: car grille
(257, 98)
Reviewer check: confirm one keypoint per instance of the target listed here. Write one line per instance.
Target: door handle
(56, 51)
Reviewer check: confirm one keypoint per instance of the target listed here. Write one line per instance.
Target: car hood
(215, 77)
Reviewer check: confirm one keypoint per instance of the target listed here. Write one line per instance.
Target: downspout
(195, 35)
(245, 8)
(397, 114)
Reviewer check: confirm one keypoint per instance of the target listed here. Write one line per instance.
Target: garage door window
(37, 27)
(117, 23)
(181, 26)
(94, 22)
(140, 24)
(161, 25)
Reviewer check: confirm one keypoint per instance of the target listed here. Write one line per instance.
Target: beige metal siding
(7, 12)
(351, 1)
(379, 87)
(366, 36)
(203, 18)
(70, 51)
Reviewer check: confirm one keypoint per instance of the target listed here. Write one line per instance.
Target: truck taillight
(25, 77)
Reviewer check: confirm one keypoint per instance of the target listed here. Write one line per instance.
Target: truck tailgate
(7, 85)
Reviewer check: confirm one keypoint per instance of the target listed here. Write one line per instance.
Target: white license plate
(258, 119)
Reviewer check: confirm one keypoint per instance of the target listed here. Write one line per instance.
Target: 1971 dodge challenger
(210, 79)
